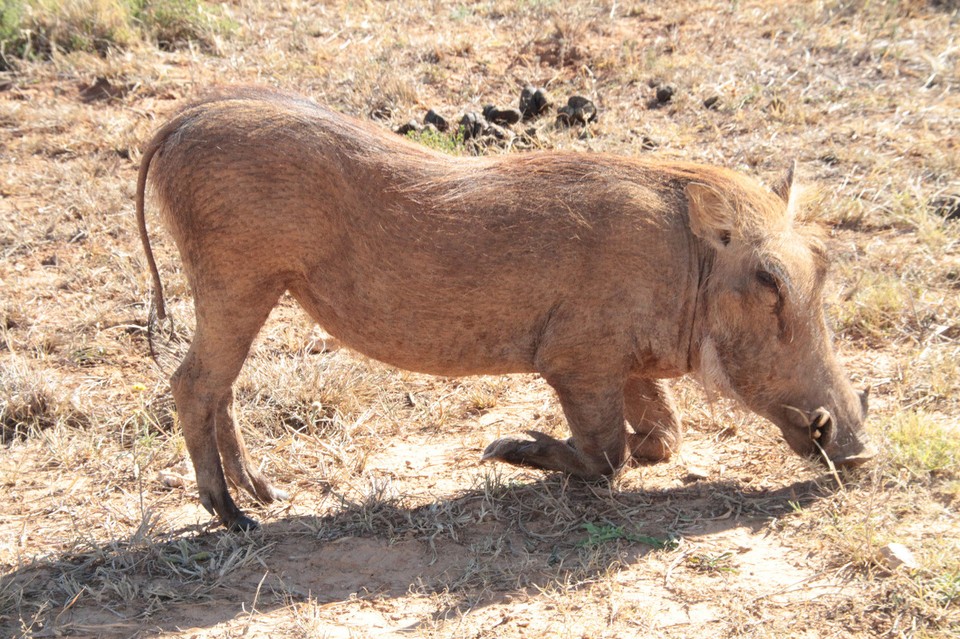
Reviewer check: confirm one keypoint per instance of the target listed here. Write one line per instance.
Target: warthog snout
(840, 442)
(844, 447)
(855, 449)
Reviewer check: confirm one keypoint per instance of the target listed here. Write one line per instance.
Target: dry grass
(393, 528)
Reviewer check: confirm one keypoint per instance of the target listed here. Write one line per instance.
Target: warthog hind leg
(598, 445)
(653, 416)
(202, 390)
(237, 464)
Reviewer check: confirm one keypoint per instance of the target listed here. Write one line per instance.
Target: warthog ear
(711, 214)
(784, 186)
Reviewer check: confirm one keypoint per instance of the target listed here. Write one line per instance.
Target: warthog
(605, 275)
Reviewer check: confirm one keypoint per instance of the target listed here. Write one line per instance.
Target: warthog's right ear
(784, 186)
(787, 191)
(711, 214)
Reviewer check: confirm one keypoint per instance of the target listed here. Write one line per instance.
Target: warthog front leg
(598, 445)
(652, 413)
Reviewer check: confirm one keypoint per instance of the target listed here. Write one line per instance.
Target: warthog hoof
(243, 524)
(546, 453)
(521, 452)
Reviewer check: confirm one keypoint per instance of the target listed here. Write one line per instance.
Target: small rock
(713, 102)
(322, 344)
(493, 136)
(895, 555)
(665, 93)
(580, 103)
(526, 139)
(695, 473)
(489, 419)
(533, 102)
(497, 115)
(579, 110)
(177, 476)
(947, 206)
(103, 89)
(472, 125)
(410, 127)
(381, 111)
(437, 120)
(496, 132)
(171, 480)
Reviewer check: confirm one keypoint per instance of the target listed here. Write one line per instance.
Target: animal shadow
(476, 548)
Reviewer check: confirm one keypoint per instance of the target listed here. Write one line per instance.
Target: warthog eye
(772, 282)
(769, 280)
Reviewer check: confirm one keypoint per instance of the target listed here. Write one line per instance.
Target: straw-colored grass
(393, 528)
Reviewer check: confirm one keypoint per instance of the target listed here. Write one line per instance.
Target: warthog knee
(599, 463)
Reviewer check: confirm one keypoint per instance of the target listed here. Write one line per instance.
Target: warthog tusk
(820, 417)
(817, 421)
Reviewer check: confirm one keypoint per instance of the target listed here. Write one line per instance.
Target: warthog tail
(148, 154)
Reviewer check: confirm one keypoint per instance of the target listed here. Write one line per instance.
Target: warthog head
(763, 338)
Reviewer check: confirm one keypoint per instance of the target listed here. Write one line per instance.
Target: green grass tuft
(924, 446)
(443, 142)
(874, 308)
(36, 29)
(173, 24)
(605, 533)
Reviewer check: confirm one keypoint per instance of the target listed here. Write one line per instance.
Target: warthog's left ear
(711, 214)
(784, 186)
